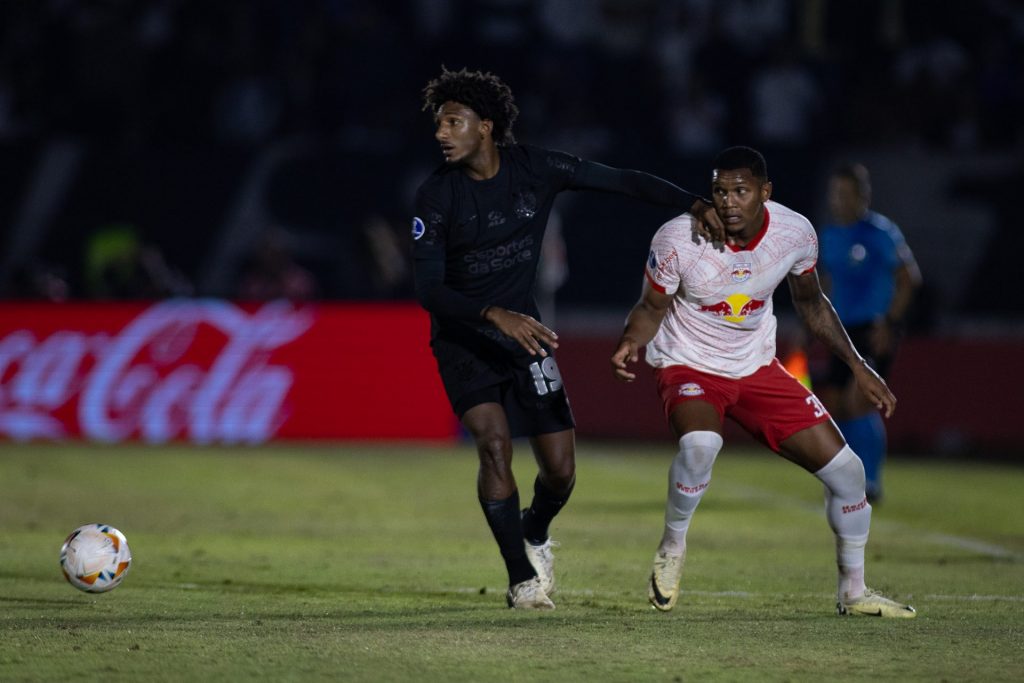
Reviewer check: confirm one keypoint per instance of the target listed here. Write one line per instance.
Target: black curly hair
(483, 92)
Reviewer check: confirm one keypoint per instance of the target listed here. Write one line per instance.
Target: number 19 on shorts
(546, 377)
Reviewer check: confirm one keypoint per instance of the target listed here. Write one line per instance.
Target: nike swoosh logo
(658, 597)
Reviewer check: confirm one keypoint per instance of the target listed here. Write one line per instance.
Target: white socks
(687, 479)
(846, 506)
(849, 515)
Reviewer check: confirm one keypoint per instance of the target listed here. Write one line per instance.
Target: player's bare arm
(821, 319)
(884, 333)
(641, 326)
(906, 280)
(529, 332)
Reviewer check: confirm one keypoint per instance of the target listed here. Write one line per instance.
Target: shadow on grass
(62, 602)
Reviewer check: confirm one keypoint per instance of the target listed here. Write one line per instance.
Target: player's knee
(697, 452)
(561, 477)
(844, 474)
(495, 452)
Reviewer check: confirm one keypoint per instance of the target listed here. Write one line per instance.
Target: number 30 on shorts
(816, 404)
(546, 377)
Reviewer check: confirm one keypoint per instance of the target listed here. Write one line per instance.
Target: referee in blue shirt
(871, 276)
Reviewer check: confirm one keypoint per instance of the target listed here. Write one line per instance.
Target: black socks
(507, 527)
(546, 504)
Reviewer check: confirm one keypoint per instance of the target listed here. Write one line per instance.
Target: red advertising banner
(215, 372)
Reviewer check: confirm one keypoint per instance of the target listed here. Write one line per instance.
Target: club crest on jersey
(741, 272)
(418, 228)
(524, 203)
(691, 389)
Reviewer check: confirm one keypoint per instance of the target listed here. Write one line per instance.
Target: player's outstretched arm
(641, 326)
(591, 175)
(820, 317)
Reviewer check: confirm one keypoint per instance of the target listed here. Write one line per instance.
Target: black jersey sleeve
(558, 168)
(440, 299)
(591, 175)
(429, 231)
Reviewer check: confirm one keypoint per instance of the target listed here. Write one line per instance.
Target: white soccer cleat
(874, 604)
(663, 589)
(543, 560)
(529, 595)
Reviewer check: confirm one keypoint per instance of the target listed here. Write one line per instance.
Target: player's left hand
(526, 330)
(709, 223)
(874, 389)
(627, 352)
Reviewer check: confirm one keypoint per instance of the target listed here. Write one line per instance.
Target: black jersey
(488, 234)
(477, 242)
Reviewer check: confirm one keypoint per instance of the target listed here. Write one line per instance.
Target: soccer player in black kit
(480, 220)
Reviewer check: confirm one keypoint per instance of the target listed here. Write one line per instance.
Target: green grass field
(371, 563)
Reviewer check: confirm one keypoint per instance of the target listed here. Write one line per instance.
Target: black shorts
(529, 388)
(838, 374)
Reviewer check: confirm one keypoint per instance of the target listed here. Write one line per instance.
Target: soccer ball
(95, 558)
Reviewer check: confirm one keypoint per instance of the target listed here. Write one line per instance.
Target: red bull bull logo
(735, 308)
(741, 272)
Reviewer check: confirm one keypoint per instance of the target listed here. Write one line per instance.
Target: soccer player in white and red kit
(706, 318)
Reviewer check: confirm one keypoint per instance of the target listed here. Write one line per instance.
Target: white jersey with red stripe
(721, 319)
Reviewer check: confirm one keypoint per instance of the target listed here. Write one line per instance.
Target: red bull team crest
(691, 389)
(741, 272)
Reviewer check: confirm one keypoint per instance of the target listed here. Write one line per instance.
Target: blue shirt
(861, 259)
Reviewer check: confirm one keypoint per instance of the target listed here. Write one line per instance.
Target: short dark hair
(483, 92)
(743, 157)
(857, 174)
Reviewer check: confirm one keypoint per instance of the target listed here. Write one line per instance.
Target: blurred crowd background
(256, 149)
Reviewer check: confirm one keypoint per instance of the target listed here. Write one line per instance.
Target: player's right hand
(628, 352)
(528, 331)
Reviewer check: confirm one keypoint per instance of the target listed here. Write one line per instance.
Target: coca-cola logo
(195, 369)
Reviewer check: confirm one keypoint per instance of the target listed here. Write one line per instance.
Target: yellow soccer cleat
(874, 604)
(663, 590)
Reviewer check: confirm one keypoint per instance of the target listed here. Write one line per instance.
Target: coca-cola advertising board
(216, 372)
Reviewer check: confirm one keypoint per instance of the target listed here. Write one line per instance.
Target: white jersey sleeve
(674, 248)
(721, 318)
